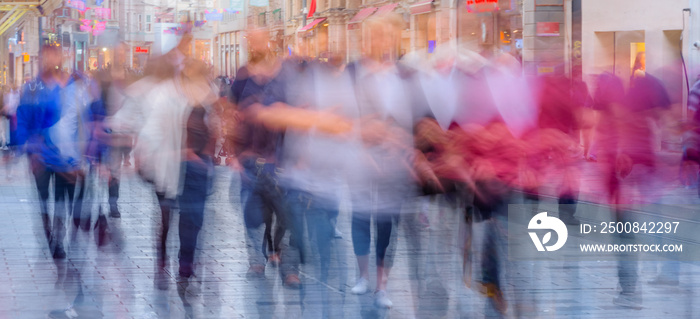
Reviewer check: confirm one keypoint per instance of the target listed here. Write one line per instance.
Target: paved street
(117, 281)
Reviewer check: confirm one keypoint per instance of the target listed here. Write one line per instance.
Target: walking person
(380, 180)
(154, 112)
(256, 153)
(200, 141)
(49, 127)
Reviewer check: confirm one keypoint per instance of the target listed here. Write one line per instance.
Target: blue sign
(213, 16)
(431, 46)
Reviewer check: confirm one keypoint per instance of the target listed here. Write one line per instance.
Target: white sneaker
(361, 287)
(381, 300)
(337, 234)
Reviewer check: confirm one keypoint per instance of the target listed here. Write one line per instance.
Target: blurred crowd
(391, 135)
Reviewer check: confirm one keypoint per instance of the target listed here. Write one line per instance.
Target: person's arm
(280, 116)
(25, 117)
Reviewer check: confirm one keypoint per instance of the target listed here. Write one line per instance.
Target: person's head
(258, 41)
(196, 82)
(609, 90)
(385, 34)
(51, 59)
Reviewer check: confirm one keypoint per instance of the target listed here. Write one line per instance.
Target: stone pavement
(117, 281)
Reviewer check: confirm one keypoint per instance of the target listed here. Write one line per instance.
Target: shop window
(261, 19)
(277, 13)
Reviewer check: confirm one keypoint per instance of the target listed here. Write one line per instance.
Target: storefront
(314, 38)
(230, 58)
(489, 26)
(613, 37)
(424, 31)
(141, 54)
(202, 50)
(358, 35)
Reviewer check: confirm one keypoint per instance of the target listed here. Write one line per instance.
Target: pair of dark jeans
(165, 204)
(64, 190)
(361, 234)
(264, 198)
(192, 203)
(119, 155)
(319, 229)
(492, 206)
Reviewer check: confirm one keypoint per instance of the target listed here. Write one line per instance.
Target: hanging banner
(93, 26)
(102, 13)
(213, 16)
(482, 5)
(76, 4)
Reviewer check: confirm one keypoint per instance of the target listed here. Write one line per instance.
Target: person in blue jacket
(50, 118)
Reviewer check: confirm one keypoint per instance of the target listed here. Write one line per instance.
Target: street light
(104, 49)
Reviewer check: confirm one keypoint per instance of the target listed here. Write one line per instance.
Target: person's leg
(383, 223)
(254, 225)
(567, 207)
(276, 201)
(165, 205)
(62, 183)
(490, 259)
(627, 265)
(294, 254)
(127, 155)
(192, 204)
(79, 198)
(115, 164)
(42, 178)
(361, 237)
(320, 224)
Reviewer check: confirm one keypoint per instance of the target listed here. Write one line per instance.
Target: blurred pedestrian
(49, 125)
(200, 142)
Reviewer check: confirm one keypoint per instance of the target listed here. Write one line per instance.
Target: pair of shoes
(627, 301)
(292, 281)
(59, 252)
(361, 287)
(274, 259)
(69, 313)
(661, 280)
(114, 213)
(161, 279)
(381, 299)
(188, 284)
(256, 271)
